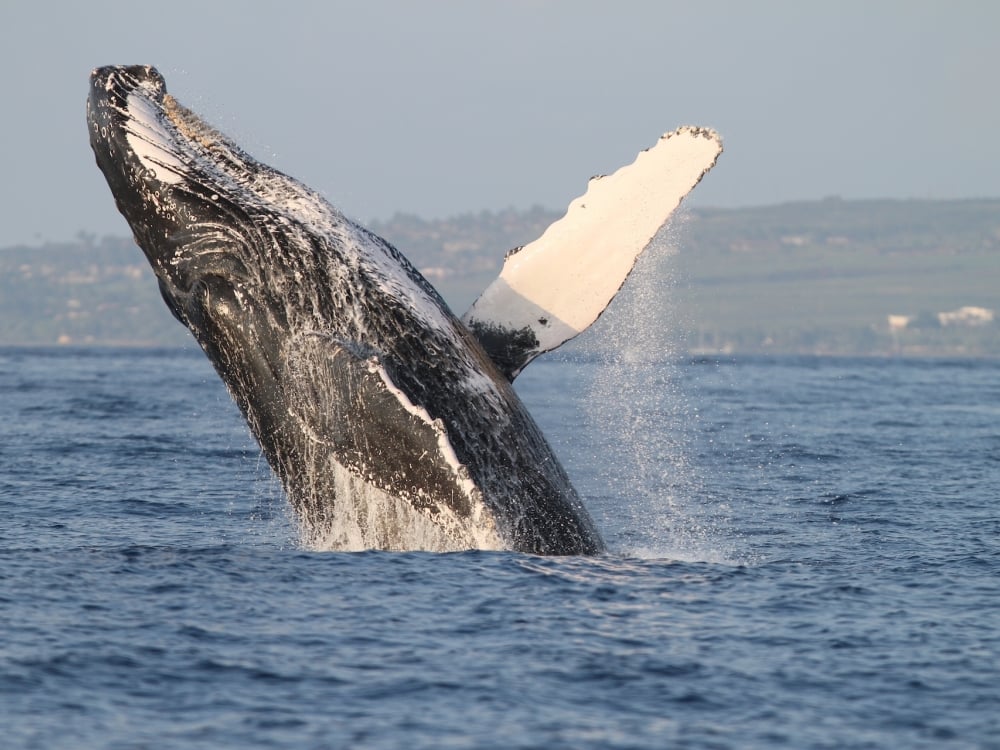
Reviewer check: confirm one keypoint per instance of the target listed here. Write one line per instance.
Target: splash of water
(364, 517)
(645, 422)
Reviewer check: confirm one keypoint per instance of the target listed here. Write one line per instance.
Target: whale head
(211, 219)
(248, 258)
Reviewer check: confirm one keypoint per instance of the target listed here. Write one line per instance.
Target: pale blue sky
(439, 108)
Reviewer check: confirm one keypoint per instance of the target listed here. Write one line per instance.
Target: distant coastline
(874, 278)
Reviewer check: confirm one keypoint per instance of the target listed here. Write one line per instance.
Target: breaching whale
(391, 423)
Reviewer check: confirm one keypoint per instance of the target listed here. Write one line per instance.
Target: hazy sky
(440, 108)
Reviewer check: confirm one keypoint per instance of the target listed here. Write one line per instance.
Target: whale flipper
(555, 287)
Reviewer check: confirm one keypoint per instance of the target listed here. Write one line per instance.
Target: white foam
(364, 517)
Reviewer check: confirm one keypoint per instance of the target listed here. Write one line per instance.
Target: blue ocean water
(805, 553)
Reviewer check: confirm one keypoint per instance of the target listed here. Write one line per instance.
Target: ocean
(804, 553)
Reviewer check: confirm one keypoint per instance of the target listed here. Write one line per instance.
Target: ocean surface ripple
(805, 554)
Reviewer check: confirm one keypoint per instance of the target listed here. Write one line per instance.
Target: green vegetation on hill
(817, 277)
(87, 292)
(824, 277)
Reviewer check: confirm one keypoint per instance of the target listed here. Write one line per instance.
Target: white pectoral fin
(554, 288)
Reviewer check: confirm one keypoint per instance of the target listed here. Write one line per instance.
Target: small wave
(685, 555)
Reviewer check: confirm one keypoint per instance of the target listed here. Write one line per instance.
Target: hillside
(825, 276)
(818, 277)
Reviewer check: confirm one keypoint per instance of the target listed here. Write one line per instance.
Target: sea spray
(643, 422)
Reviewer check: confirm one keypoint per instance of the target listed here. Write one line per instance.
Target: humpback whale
(390, 422)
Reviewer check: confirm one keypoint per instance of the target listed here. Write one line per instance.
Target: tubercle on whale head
(111, 77)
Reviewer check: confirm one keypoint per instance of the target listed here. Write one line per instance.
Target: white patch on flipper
(149, 139)
(559, 284)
